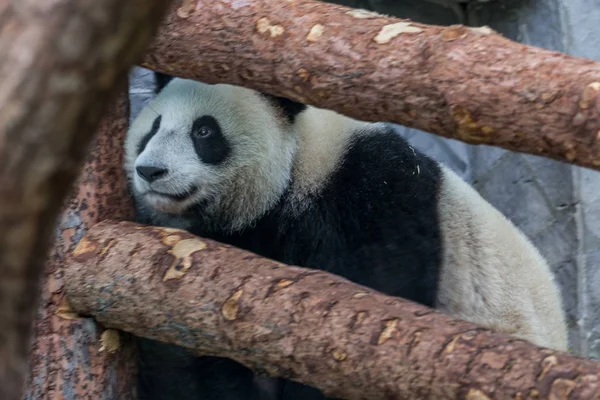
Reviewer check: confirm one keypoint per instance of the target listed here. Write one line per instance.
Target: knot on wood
(263, 25)
(388, 32)
(388, 331)
(182, 252)
(231, 306)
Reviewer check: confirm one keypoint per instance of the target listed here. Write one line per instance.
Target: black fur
(169, 372)
(149, 135)
(289, 108)
(213, 149)
(375, 223)
(161, 80)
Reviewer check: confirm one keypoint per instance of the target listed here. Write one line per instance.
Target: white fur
(323, 138)
(240, 190)
(492, 275)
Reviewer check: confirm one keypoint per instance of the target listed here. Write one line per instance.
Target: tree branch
(467, 84)
(307, 325)
(60, 337)
(60, 62)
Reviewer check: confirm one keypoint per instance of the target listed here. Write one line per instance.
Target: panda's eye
(204, 132)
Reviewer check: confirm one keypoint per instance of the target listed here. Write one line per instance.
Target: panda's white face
(220, 147)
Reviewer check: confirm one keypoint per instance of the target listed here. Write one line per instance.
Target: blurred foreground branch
(60, 63)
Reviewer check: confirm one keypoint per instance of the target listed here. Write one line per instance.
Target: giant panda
(311, 187)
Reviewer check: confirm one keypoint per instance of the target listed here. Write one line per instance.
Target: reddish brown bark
(58, 367)
(307, 325)
(60, 62)
(468, 84)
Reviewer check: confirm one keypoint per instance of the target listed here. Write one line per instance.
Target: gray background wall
(556, 205)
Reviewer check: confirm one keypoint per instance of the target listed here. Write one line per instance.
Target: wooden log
(57, 367)
(60, 62)
(469, 84)
(320, 329)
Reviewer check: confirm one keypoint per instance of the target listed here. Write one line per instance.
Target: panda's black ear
(161, 81)
(290, 108)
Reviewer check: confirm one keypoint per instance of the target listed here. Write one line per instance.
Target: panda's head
(216, 151)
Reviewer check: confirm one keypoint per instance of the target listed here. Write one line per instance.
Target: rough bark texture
(468, 84)
(60, 62)
(302, 324)
(65, 361)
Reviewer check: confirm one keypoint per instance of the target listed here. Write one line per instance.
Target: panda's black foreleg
(169, 372)
(298, 391)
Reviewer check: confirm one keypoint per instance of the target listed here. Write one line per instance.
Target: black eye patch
(209, 142)
(149, 135)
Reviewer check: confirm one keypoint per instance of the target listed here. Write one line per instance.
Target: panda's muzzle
(150, 173)
(175, 197)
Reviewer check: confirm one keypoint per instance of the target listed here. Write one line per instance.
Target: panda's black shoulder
(381, 159)
(381, 178)
(379, 208)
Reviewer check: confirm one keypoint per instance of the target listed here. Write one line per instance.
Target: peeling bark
(320, 329)
(469, 84)
(60, 62)
(65, 360)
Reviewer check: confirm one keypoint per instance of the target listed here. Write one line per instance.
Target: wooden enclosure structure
(459, 82)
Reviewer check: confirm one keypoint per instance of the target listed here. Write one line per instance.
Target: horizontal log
(469, 84)
(310, 326)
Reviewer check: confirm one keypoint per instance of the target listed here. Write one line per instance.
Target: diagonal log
(464, 83)
(60, 62)
(307, 325)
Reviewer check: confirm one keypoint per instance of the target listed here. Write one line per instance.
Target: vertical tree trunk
(60, 62)
(65, 361)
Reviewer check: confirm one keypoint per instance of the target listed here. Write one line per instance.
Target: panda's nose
(150, 174)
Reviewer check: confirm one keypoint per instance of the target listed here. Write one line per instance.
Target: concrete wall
(556, 205)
